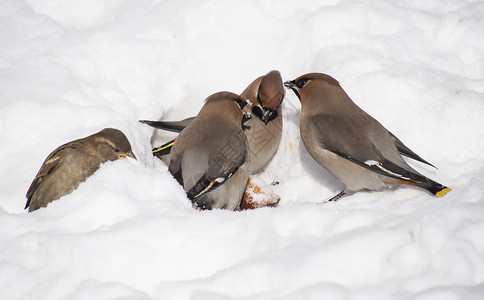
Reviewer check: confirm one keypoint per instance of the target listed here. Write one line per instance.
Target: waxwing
(209, 158)
(349, 143)
(264, 97)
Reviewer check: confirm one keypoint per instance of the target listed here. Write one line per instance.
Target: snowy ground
(71, 68)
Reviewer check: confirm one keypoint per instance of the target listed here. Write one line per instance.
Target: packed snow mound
(70, 68)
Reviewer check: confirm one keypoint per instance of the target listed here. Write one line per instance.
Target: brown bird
(209, 157)
(263, 131)
(265, 128)
(70, 164)
(349, 143)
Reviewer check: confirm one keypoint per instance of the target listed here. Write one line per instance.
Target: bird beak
(264, 114)
(129, 154)
(292, 85)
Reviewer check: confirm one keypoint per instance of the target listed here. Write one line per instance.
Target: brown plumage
(209, 157)
(264, 130)
(70, 164)
(349, 143)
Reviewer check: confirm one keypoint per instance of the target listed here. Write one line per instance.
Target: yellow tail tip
(443, 192)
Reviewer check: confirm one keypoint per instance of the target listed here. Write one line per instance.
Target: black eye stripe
(241, 103)
(258, 97)
(301, 82)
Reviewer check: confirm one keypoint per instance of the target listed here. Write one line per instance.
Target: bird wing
(50, 165)
(354, 144)
(404, 150)
(174, 167)
(227, 156)
(208, 183)
(175, 126)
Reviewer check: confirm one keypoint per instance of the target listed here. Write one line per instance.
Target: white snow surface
(70, 68)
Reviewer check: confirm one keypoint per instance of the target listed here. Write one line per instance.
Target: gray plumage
(264, 130)
(349, 143)
(209, 157)
(70, 164)
(174, 126)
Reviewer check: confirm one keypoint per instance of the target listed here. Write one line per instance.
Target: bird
(264, 131)
(72, 163)
(209, 158)
(351, 144)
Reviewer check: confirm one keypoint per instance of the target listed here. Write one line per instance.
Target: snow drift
(71, 68)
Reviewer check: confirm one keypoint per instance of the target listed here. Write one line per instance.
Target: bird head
(309, 84)
(269, 97)
(296, 84)
(114, 145)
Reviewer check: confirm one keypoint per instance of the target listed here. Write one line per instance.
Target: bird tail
(434, 187)
(164, 149)
(174, 126)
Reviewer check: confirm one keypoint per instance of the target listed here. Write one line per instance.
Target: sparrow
(72, 163)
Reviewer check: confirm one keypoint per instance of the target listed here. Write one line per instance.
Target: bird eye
(116, 150)
(301, 82)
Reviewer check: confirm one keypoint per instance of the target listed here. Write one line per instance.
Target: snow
(70, 68)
